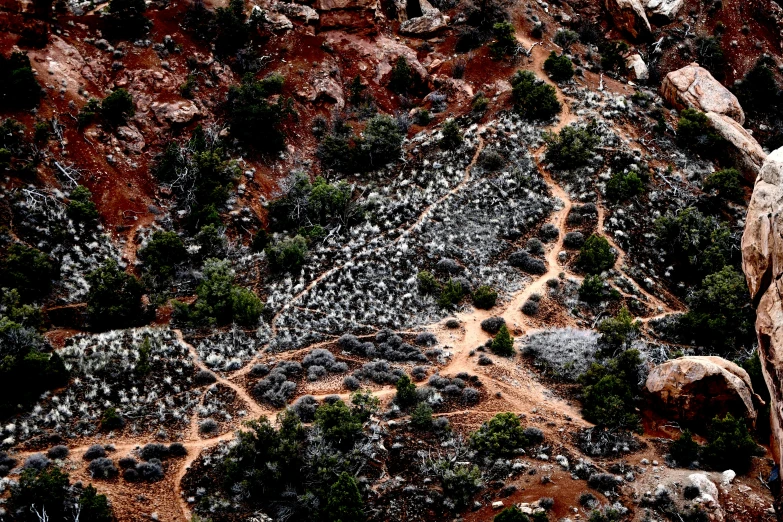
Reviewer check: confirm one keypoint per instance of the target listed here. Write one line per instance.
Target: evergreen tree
(345, 503)
(503, 343)
(406, 392)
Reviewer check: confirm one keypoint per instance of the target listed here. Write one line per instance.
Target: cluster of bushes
(309, 204)
(17, 153)
(288, 254)
(729, 446)
(380, 143)
(276, 388)
(253, 118)
(29, 271)
(572, 147)
(161, 257)
(114, 110)
(220, 301)
(625, 185)
(19, 89)
(114, 298)
(534, 99)
(559, 68)
(505, 40)
(503, 436)
(481, 17)
(610, 391)
(389, 347)
(126, 18)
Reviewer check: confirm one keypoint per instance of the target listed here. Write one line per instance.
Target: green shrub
(29, 271)
(19, 88)
(511, 514)
(288, 254)
(406, 392)
(421, 416)
(451, 135)
(695, 132)
(533, 98)
(592, 289)
(231, 28)
(499, 437)
(114, 298)
(427, 283)
(484, 297)
(727, 183)
(503, 343)
(460, 482)
(613, 56)
(162, 255)
(505, 40)
(88, 112)
(565, 38)
(380, 144)
(559, 68)
(316, 203)
(117, 107)
(758, 91)
(339, 424)
(480, 103)
(619, 331)
(80, 208)
(365, 404)
(572, 147)
(451, 293)
(13, 310)
(622, 186)
(730, 445)
(253, 119)
(344, 503)
(610, 392)
(720, 313)
(710, 55)
(246, 307)
(126, 18)
(111, 420)
(401, 76)
(596, 255)
(684, 450)
(143, 366)
(47, 489)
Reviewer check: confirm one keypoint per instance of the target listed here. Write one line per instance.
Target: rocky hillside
(351, 260)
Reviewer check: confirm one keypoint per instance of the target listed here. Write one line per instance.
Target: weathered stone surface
(298, 11)
(423, 25)
(695, 389)
(629, 16)
(176, 113)
(131, 138)
(637, 69)
(329, 5)
(664, 8)
(323, 87)
(748, 154)
(694, 87)
(762, 261)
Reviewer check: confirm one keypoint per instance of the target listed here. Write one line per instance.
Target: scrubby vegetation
(533, 98)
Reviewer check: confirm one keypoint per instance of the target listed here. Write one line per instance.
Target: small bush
(254, 119)
(147, 471)
(80, 208)
(401, 76)
(288, 254)
(565, 38)
(499, 437)
(492, 324)
(208, 427)
(451, 135)
(533, 98)
(451, 293)
(37, 462)
(154, 450)
(503, 343)
(204, 377)
(127, 462)
(177, 449)
(592, 289)
(94, 452)
(596, 255)
(610, 392)
(523, 260)
(559, 68)
(406, 392)
(20, 89)
(103, 468)
(111, 420)
(726, 183)
(730, 445)
(117, 107)
(695, 132)
(421, 416)
(484, 297)
(573, 147)
(684, 450)
(624, 186)
(530, 307)
(58, 452)
(505, 42)
(427, 283)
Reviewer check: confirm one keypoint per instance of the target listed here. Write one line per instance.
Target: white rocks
(727, 477)
(664, 8)
(498, 504)
(707, 488)
(637, 69)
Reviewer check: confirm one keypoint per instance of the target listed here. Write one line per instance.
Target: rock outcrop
(629, 17)
(637, 69)
(694, 87)
(762, 261)
(696, 389)
(666, 9)
(746, 151)
(175, 113)
(430, 21)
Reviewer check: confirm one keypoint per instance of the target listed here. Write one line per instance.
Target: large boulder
(175, 113)
(762, 261)
(666, 9)
(694, 87)
(696, 389)
(746, 151)
(637, 69)
(424, 25)
(629, 16)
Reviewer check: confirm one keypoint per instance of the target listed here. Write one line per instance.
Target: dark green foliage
(345, 503)
(17, 154)
(381, 144)
(727, 183)
(511, 514)
(111, 420)
(451, 293)
(565, 38)
(406, 392)
(752, 365)
(26, 369)
(505, 40)
(695, 244)
(186, 90)
(12, 308)
(401, 76)
(126, 18)
(288, 254)
(117, 107)
(720, 313)
(220, 301)
(19, 88)
(572, 147)
(592, 289)
(254, 120)
(365, 404)
(480, 103)
(340, 425)
(357, 89)
(612, 55)
(29, 271)
(88, 112)
(94, 507)
(143, 365)
(534, 99)
(559, 68)
(684, 450)
(619, 331)
(484, 297)
(46, 489)
(610, 391)
(318, 203)
(501, 436)
(695, 132)
(730, 445)
(451, 135)
(421, 416)
(758, 92)
(260, 240)
(460, 482)
(427, 283)
(503, 343)
(114, 298)
(596, 255)
(710, 55)
(80, 206)
(231, 30)
(162, 255)
(622, 186)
